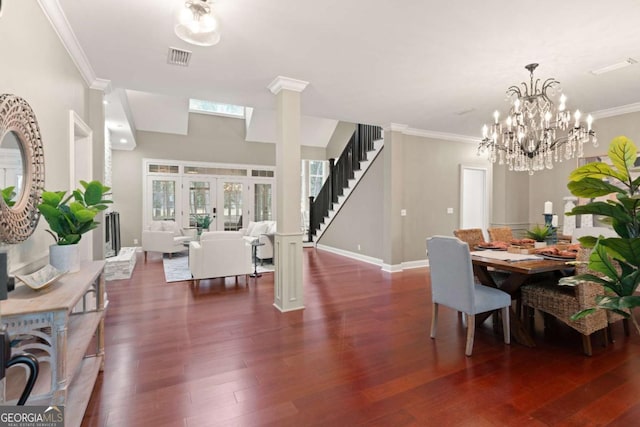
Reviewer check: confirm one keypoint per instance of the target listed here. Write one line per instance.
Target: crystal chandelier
(535, 134)
(197, 25)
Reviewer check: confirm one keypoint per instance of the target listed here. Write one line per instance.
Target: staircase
(344, 175)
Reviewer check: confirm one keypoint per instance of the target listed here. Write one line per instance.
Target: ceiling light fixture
(613, 67)
(196, 23)
(535, 134)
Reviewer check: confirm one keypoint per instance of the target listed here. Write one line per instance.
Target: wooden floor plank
(358, 354)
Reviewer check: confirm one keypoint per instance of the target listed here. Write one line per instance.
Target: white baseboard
(388, 268)
(395, 268)
(415, 264)
(353, 255)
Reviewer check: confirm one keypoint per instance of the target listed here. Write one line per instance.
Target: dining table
(508, 272)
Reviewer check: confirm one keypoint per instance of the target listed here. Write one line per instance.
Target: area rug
(176, 268)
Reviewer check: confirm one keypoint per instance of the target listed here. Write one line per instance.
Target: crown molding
(101, 84)
(395, 127)
(616, 111)
(406, 130)
(442, 135)
(60, 24)
(280, 83)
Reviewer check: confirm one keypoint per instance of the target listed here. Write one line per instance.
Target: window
(314, 174)
(210, 107)
(317, 175)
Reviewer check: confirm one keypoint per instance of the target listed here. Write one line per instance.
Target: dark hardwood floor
(358, 354)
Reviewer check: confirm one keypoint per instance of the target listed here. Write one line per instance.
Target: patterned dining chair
(500, 234)
(452, 285)
(472, 236)
(562, 302)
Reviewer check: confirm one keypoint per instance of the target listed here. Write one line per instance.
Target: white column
(288, 292)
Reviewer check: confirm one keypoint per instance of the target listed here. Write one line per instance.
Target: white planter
(65, 257)
(538, 245)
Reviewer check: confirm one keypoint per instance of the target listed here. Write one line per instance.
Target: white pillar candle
(554, 221)
(548, 207)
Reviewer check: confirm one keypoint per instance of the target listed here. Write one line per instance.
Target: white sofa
(264, 231)
(219, 254)
(164, 236)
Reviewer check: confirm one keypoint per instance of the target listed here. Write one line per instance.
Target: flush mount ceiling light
(536, 133)
(196, 23)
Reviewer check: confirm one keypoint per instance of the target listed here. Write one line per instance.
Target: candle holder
(548, 222)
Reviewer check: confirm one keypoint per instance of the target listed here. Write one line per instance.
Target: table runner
(506, 256)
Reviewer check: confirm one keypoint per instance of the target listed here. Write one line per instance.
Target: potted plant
(617, 259)
(69, 217)
(539, 234)
(203, 222)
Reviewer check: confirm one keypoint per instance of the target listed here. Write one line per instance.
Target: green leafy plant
(618, 258)
(203, 221)
(538, 233)
(71, 216)
(8, 194)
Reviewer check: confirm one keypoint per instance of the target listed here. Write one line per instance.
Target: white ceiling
(439, 66)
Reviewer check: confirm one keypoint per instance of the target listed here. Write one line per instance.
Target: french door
(163, 199)
(229, 201)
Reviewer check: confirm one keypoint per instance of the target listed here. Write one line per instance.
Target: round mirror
(21, 167)
(11, 168)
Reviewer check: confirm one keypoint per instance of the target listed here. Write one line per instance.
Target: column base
(288, 293)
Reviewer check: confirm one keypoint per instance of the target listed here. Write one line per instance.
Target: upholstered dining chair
(452, 285)
(472, 236)
(500, 234)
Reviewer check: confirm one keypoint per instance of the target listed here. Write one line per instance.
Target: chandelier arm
(514, 90)
(541, 133)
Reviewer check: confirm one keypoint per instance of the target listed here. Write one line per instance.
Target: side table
(254, 245)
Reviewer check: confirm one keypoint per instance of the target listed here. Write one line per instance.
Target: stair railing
(340, 172)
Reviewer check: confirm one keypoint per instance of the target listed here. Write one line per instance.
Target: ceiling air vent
(179, 57)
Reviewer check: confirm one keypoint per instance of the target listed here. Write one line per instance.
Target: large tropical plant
(70, 219)
(617, 259)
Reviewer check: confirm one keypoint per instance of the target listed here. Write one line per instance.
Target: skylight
(210, 107)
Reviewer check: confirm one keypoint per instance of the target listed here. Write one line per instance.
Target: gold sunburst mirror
(21, 169)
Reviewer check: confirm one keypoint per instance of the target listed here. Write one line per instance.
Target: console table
(63, 326)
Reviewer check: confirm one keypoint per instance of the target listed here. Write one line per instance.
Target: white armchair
(219, 254)
(264, 231)
(164, 236)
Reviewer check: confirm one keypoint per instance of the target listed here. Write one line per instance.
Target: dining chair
(452, 285)
(500, 234)
(582, 268)
(471, 236)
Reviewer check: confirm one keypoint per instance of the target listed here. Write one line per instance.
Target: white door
(200, 200)
(263, 201)
(231, 199)
(163, 199)
(474, 197)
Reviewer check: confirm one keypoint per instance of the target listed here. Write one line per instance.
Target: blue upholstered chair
(452, 284)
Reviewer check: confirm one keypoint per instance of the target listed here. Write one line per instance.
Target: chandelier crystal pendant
(535, 134)
(196, 24)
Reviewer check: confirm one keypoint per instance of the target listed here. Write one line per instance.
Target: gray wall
(37, 67)
(359, 222)
(431, 185)
(339, 139)
(431, 177)
(552, 184)
(210, 138)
